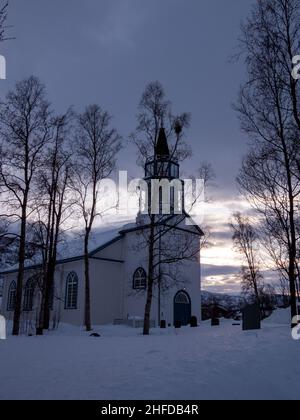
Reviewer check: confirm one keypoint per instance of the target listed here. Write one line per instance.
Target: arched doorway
(182, 308)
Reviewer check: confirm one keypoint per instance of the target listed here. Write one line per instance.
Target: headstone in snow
(251, 317)
(177, 324)
(215, 322)
(194, 322)
(2, 328)
(163, 324)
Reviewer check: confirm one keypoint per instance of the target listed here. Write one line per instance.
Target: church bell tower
(165, 190)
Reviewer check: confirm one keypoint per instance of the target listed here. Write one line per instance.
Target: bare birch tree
(24, 128)
(155, 111)
(96, 147)
(3, 19)
(246, 243)
(53, 207)
(269, 112)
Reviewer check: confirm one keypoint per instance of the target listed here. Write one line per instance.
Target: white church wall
(188, 280)
(113, 251)
(112, 293)
(135, 256)
(69, 316)
(191, 285)
(7, 281)
(74, 316)
(8, 278)
(106, 291)
(106, 279)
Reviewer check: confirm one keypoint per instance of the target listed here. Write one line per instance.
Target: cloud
(222, 278)
(119, 27)
(209, 269)
(226, 278)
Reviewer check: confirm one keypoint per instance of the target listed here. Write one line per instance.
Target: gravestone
(251, 317)
(163, 324)
(177, 324)
(194, 322)
(215, 322)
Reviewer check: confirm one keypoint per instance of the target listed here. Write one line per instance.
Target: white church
(118, 269)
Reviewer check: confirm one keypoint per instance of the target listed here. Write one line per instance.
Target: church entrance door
(182, 308)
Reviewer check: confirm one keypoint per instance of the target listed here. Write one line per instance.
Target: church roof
(170, 221)
(71, 249)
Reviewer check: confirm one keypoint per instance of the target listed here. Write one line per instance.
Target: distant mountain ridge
(232, 302)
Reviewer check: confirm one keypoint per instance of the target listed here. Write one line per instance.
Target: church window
(140, 279)
(71, 291)
(182, 298)
(11, 300)
(28, 295)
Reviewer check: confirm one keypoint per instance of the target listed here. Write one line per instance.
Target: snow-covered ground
(202, 363)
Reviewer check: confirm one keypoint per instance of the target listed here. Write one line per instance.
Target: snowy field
(202, 363)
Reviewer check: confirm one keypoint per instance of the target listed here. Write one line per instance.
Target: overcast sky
(106, 51)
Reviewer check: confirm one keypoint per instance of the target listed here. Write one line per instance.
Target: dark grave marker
(163, 324)
(251, 317)
(177, 324)
(215, 322)
(194, 322)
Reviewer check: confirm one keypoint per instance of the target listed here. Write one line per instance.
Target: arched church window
(182, 298)
(139, 279)
(71, 291)
(11, 297)
(28, 295)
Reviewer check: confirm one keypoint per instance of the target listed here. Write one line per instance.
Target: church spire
(161, 147)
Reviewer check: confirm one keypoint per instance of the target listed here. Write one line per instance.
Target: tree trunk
(44, 298)
(20, 278)
(54, 235)
(87, 306)
(48, 290)
(39, 328)
(292, 281)
(146, 330)
(293, 242)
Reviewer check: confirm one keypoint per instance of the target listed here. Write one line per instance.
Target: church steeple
(162, 164)
(162, 178)
(161, 147)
